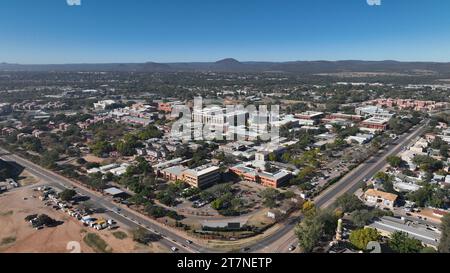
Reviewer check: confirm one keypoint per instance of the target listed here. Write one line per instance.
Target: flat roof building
(201, 177)
(310, 115)
(271, 180)
(376, 123)
(388, 225)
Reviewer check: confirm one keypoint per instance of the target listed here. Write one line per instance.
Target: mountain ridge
(233, 65)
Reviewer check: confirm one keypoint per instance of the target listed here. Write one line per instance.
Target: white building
(373, 111)
(360, 138)
(380, 199)
(102, 105)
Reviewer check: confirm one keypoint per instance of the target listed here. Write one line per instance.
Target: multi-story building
(309, 117)
(271, 180)
(341, 116)
(403, 104)
(380, 199)
(102, 105)
(376, 123)
(167, 107)
(373, 111)
(219, 118)
(201, 177)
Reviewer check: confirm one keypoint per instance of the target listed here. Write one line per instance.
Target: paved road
(170, 239)
(285, 237)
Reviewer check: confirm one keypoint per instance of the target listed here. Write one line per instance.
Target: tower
(339, 230)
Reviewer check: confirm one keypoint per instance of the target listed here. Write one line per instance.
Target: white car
(174, 249)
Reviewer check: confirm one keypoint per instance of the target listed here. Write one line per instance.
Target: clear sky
(51, 31)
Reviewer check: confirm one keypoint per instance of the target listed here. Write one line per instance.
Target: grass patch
(8, 240)
(96, 243)
(7, 213)
(120, 235)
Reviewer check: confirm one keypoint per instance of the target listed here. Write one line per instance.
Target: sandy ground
(17, 236)
(93, 159)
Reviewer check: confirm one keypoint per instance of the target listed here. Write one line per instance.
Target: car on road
(189, 241)
(292, 248)
(246, 249)
(174, 249)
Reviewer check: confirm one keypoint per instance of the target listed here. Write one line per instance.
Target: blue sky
(50, 31)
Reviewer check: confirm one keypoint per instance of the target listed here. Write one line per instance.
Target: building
(341, 116)
(5, 108)
(219, 118)
(388, 225)
(373, 111)
(166, 164)
(274, 180)
(201, 177)
(173, 173)
(114, 169)
(403, 104)
(360, 138)
(310, 115)
(375, 123)
(115, 192)
(103, 105)
(309, 118)
(380, 199)
(267, 179)
(136, 120)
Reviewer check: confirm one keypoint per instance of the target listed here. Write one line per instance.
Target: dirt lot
(17, 236)
(93, 159)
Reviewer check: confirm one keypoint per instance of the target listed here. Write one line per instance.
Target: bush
(120, 235)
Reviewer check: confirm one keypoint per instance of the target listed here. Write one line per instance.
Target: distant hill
(232, 65)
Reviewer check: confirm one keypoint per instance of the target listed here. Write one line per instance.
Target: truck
(101, 226)
(99, 222)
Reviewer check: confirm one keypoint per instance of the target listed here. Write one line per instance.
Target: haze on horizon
(167, 31)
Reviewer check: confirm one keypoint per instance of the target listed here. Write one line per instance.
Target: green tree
(309, 232)
(270, 197)
(394, 161)
(143, 236)
(400, 242)
(67, 195)
(273, 157)
(349, 203)
(361, 237)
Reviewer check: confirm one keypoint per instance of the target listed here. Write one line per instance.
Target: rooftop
(418, 232)
(382, 194)
(202, 170)
(377, 120)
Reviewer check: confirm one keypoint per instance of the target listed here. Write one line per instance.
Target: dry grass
(7, 240)
(97, 243)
